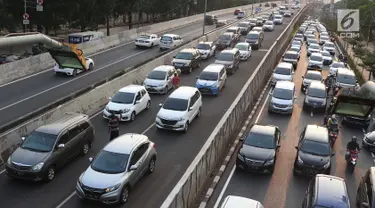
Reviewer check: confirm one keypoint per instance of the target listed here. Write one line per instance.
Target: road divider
(28, 66)
(192, 182)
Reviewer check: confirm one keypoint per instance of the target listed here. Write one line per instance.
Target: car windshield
(315, 148)
(291, 56)
(225, 57)
(346, 79)
(312, 41)
(329, 45)
(166, 38)
(175, 104)
(253, 20)
(326, 53)
(232, 31)
(299, 36)
(313, 76)
(243, 25)
(268, 23)
(224, 37)
(283, 94)
(296, 49)
(338, 65)
(252, 36)
(158, 75)
(39, 142)
(282, 70)
(318, 93)
(316, 47)
(242, 47)
(324, 38)
(203, 47)
(123, 98)
(210, 76)
(110, 162)
(145, 36)
(316, 58)
(260, 140)
(296, 43)
(184, 56)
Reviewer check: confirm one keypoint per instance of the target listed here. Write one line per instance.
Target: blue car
(212, 79)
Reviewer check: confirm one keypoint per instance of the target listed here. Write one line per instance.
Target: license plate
(168, 126)
(19, 173)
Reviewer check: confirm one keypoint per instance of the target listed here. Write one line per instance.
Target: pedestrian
(176, 80)
(113, 126)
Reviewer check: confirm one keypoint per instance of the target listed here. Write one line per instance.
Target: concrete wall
(18, 69)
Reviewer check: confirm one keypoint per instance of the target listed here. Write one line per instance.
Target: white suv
(316, 59)
(180, 109)
(283, 72)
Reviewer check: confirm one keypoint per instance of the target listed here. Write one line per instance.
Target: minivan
(179, 109)
(316, 96)
(283, 72)
(345, 78)
(240, 202)
(366, 190)
(187, 59)
(50, 147)
(283, 97)
(169, 41)
(212, 79)
(326, 191)
(291, 57)
(255, 39)
(230, 58)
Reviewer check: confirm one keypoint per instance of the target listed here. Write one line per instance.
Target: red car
(236, 11)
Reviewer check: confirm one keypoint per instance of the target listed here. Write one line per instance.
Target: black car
(368, 141)
(366, 190)
(313, 152)
(210, 19)
(357, 121)
(50, 147)
(259, 149)
(187, 59)
(255, 39)
(226, 40)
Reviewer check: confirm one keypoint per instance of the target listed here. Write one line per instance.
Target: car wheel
(199, 112)
(50, 174)
(124, 196)
(74, 72)
(165, 91)
(85, 148)
(152, 45)
(91, 67)
(151, 165)
(132, 116)
(199, 65)
(160, 49)
(148, 105)
(186, 127)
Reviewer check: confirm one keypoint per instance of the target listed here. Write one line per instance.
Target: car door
(213, 49)
(196, 103)
(76, 138)
(136, 159)
(250, 50)
(138, 103)
(64, 154)
(222, 78)
(144, 159)
(307, 201)
(191, 110)
(144, 99)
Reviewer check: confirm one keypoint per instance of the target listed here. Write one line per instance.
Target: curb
(231, 152)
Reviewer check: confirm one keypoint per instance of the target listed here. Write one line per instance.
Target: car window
(139, 96)
(283, 94)
(137, 154)
(316, 58)
(346, 79)
(203, 46)
(84, 125)
(283, 71)
(338, 65)
(314, 92)
(157, 75)
(291, 56)
(64, 138)
(252, 36)
(210, 76)
(242, 47)
(75, 131)
(313, 76)
(266, 141)
(184, 56)
(225, 57)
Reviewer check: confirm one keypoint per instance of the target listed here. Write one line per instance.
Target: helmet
(333, 116)
(354, 138)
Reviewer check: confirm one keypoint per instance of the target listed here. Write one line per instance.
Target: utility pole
(25, 11)
(204, 16)
(252, 8)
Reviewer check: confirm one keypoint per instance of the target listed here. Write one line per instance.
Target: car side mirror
(303, 77)
(91, 159)
(133, 167)
(160, 104)
(23, 138)
(333, 154)
(278, 146)
(61, 146)
(109, 98)
(191, 108)
(297, 148)
(137, 101)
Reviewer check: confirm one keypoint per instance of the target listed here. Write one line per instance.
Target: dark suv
(210, 19)
(313, 151)
(50, 147)
(366, 190)
(255, 39)
(259, 148)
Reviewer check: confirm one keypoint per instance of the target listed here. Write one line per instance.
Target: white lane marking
(66, 200)
(263, 50)
(311, 114)
(234, 166)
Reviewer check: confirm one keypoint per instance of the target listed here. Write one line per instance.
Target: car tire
(50, 174)
(74, 72)
(151, 165)
(165, 91)
(199, 112)
(132, 116)
(152, 45)
(85, 148)
(91, 67)
(124, 196)
(186, 127)
(148, 105)
(190, 70)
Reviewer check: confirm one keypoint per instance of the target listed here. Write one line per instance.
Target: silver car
(116, 169)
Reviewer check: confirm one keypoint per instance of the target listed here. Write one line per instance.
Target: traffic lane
(176, 150)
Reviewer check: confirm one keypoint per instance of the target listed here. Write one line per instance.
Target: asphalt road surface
(26, 95)
(283, 189)
(175, 150)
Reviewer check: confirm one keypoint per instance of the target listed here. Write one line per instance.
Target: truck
(69, 59)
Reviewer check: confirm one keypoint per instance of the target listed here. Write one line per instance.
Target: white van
(240, 202)
(283, 72)
(78, 38)
(169, 41)
(212, 79)
(345, 78)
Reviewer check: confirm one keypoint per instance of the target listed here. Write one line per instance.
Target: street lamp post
(204, 16)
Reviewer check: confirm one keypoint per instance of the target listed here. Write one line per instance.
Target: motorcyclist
(352, 146)
(331, 121)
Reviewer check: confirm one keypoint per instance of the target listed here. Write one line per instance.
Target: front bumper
(24, 174)
(309, 170)
(183, 68)
(63, 71)
(98, 195)
(314, 106)
(254, 166)
(170, 125)
(143, 44)
(208, 90)
(267, 28)
(356, 121)
(124, 116)
(282, 109)
(155, 89)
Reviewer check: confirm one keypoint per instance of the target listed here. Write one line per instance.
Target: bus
(82, 37)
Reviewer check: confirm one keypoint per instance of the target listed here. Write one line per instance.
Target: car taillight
(153, 145)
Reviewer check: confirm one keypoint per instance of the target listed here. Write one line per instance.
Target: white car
(169, 41)
(147, 40)
(336, 65)
(310, 76)
(296, 43)
(68, 70)
(287, 13)
(299, 37)
(327, 58)
(159, 80)
(313, 48)
(245, 50)
(179, 109)
(324, 39)
(128, 102)
(283, 72)
(315, 59)
(268, 26)
(207, 49)
(330, 47)
(296, 49)
(283, 97)
(278, 19)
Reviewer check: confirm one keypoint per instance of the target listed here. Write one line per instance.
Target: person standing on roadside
(113, 126)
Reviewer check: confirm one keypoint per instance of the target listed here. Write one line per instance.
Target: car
(210, 19)
(128, 102)
(117, 168)
(283, 98)
(287, 13)
(89, 66)
(268, 26)
(221, 23)
(51, 146)
(310, 76)
(236, 11)
(259, 21)
(298, 37)
(330, 47)
(324, 33)
(241, 14)
(169, 41)
(180, 109)
(244, 26)
(345, 78)
(313, 48)
(309, 36)
(326, 191)
(206, 49)
(313, 152)
(255, 39)
(236, 31)
(296, 43)
(283, 72)
(311, 41)
(232, 201)
(230, 58)
(282, 10)
(316, 97)
(278, 20)
(212, 79)
(253, 22)
(295, 49)
(365, 196)
(245, 50)
(159, 80)
(368, 141)
(265, 18)
(147, 40)
(267, 4)
(187, 59)
(291, 57)
(336, 65)
(315, 61)
(258, 152)
(226, 40)
(324, 39)
(327, 58)
(257, 29)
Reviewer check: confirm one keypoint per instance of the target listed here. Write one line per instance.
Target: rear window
(167, 38)
(316, 58)
(313, 76)
(252, 36)
(282, 70)
(176, 104)
(290, 56)
(225, 57)
(346, 79)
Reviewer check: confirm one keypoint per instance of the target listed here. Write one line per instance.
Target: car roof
(326, 52)
(188, 50)
(317, 85)
(292, 52)
(232, 28)
(232, 50)
(183, 92)
(210, 43)
(330, 190)
(171, 35)
(316, 54)
(239, 202)
(328, 42)
(313, 72)
(125, 143)
(345, 71)
(243, 43)
(288, 85)
(257, 28)
(228, 33)
(263, 129)
(254, 32)
(214, 68)
(164, 68)
(132, 88)
(316, 133)
(285, 65)
(57, 126)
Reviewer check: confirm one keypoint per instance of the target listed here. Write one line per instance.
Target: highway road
(283, 189)
(26, 95)
(175, 150)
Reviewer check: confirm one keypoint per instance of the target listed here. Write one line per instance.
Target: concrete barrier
(192, 182)
(18, 69)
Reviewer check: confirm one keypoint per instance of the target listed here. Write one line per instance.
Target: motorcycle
(352, 159)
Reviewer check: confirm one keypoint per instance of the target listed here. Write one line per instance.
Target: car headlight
(180, 119)
(79, 183)
(113, 188)
(299, 160)
(327, 165)
(240, 157)
(9, 161)
(107, 108)
(125, 110)
(161, 85)
(38, 166)
(269, 162)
